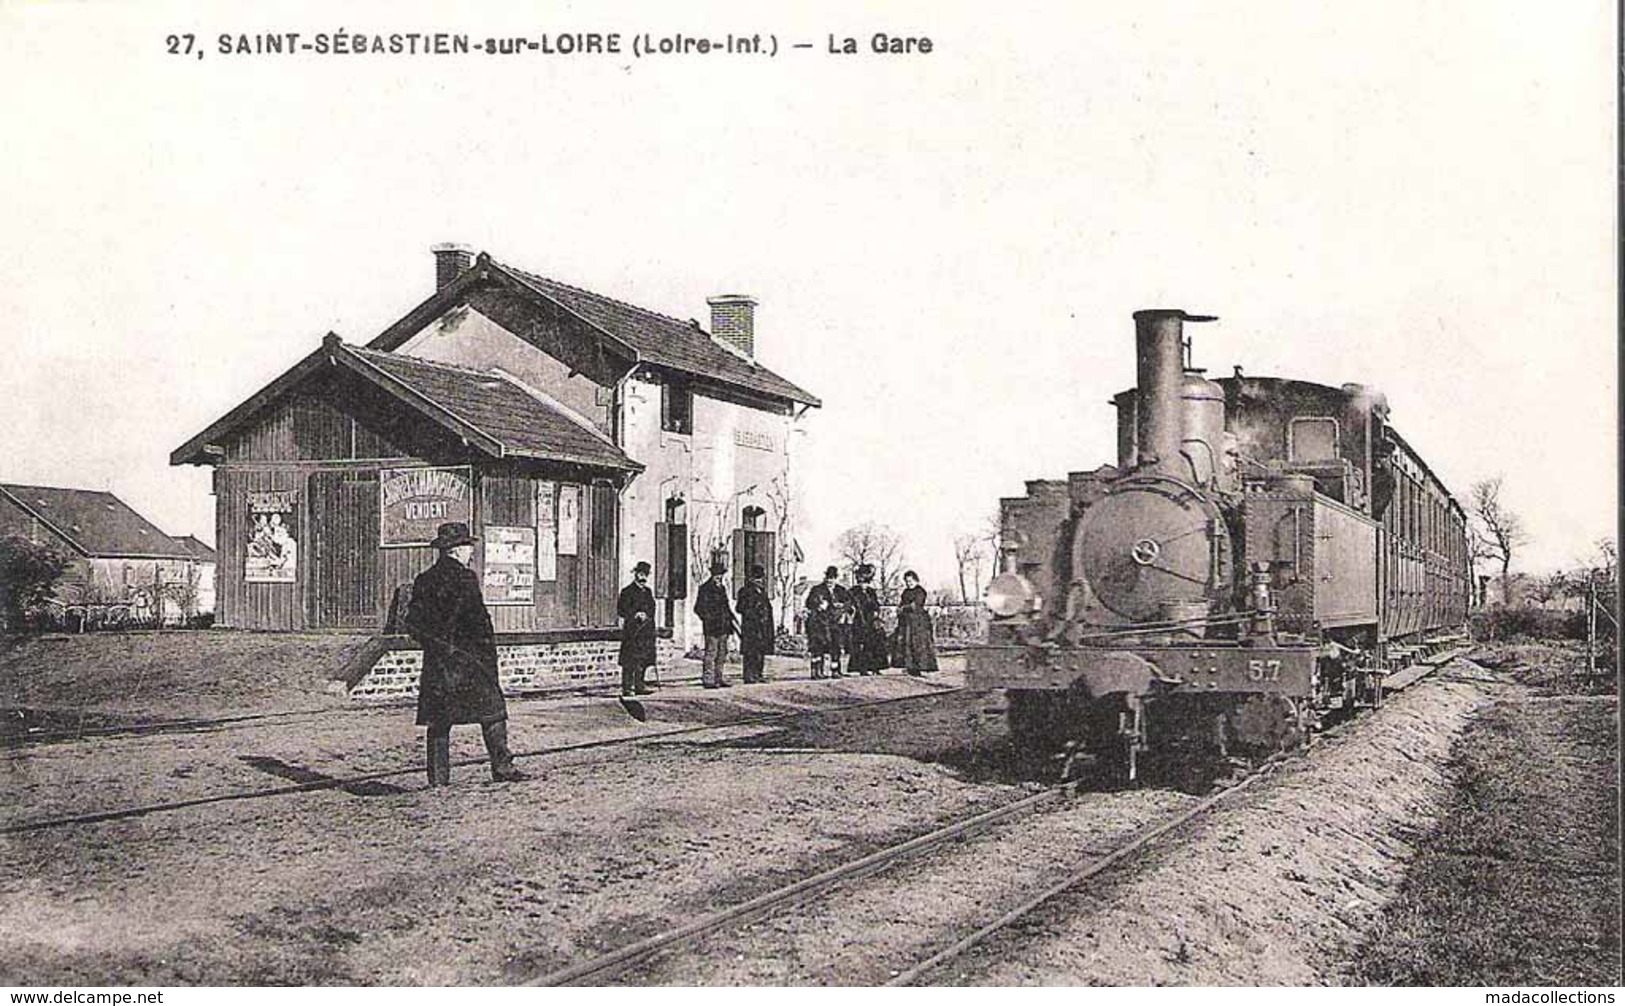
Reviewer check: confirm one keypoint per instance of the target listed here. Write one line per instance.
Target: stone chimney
(450, 261)
(733, 321)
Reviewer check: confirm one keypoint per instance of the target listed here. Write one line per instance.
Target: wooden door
(344, 550)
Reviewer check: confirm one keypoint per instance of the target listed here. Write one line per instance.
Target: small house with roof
(116, 556)
(575, 433)
(204, 555)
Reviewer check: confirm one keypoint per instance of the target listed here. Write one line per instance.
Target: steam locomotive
(1264, 552)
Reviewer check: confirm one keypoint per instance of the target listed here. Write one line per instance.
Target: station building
(576, 434)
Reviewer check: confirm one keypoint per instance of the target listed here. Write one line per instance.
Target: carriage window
(1313, 439)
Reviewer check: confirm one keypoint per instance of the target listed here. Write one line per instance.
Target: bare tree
(877, 545)
(1496, 532)
(992, 527)
(708, 540)
(787, 563)
(968, 557)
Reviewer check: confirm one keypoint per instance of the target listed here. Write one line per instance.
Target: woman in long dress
(916, 649)
(868, 643)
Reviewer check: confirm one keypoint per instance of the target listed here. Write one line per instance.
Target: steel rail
(346, 781)
(1103, 863)
(1077, 877)
(617, 961)
(157, 727)
(219, 724)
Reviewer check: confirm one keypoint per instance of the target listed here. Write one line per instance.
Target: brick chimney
(733, 321)
(450, 261)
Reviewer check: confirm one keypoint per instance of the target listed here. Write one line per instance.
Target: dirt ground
(481, 883)
(388, 883)
(1273, 890)
(104, 678)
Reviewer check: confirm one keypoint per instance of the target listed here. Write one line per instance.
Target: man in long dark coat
(755, 625)
(717, 619)
(825, 603)
(459, 683)
(636, 609)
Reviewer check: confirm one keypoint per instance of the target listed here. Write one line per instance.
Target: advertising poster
(547, 533)
(414, 502)
(273, 550)
(510, 565)
(569, 514)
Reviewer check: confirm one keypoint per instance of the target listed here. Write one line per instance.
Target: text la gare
(881, 43)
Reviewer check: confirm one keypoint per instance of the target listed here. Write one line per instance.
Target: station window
(1312, 439)
(676, 407)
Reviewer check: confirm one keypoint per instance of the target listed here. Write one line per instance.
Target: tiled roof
(662, 340)
(194, 545)
(97, 523)
(521, 422)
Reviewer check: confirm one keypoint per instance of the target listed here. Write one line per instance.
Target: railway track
(607, 967)
(363, 779)
(200, 725)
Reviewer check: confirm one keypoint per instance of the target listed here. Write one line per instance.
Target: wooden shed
(330, 482)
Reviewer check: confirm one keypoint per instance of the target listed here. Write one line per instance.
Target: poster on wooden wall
(273, 548)
(414, 502)
(510, 565)
(569, 518)
(547, 533)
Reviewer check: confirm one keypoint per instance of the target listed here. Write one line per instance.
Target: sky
(946, 247)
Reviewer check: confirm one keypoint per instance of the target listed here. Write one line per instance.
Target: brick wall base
(530, 667)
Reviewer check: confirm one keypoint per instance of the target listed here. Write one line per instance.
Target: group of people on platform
(446, 614)
(841, 622)
(845, 621)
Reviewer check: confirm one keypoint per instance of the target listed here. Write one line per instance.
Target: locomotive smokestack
(1159, 340)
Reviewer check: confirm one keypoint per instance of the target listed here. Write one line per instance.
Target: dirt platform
(476, 884)
(1275, 890)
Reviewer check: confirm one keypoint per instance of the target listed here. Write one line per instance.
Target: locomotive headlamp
(1009, 594)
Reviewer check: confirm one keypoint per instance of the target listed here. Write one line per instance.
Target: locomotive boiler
(1261, 555)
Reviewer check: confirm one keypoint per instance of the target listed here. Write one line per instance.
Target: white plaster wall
(467, 338)
(717, 476)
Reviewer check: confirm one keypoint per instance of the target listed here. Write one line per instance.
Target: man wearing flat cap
(717, 619)
(636, 609)
(459, 684)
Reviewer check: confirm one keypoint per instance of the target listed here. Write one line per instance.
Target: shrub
(959, 624)
(28, 575)
(787, 644)
(1534, 623)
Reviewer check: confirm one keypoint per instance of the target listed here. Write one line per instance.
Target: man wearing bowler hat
(459, 684)
(718, 622)
(755, 625)
(636, 608)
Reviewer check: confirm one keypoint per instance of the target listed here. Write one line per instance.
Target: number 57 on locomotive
(1263, 553)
